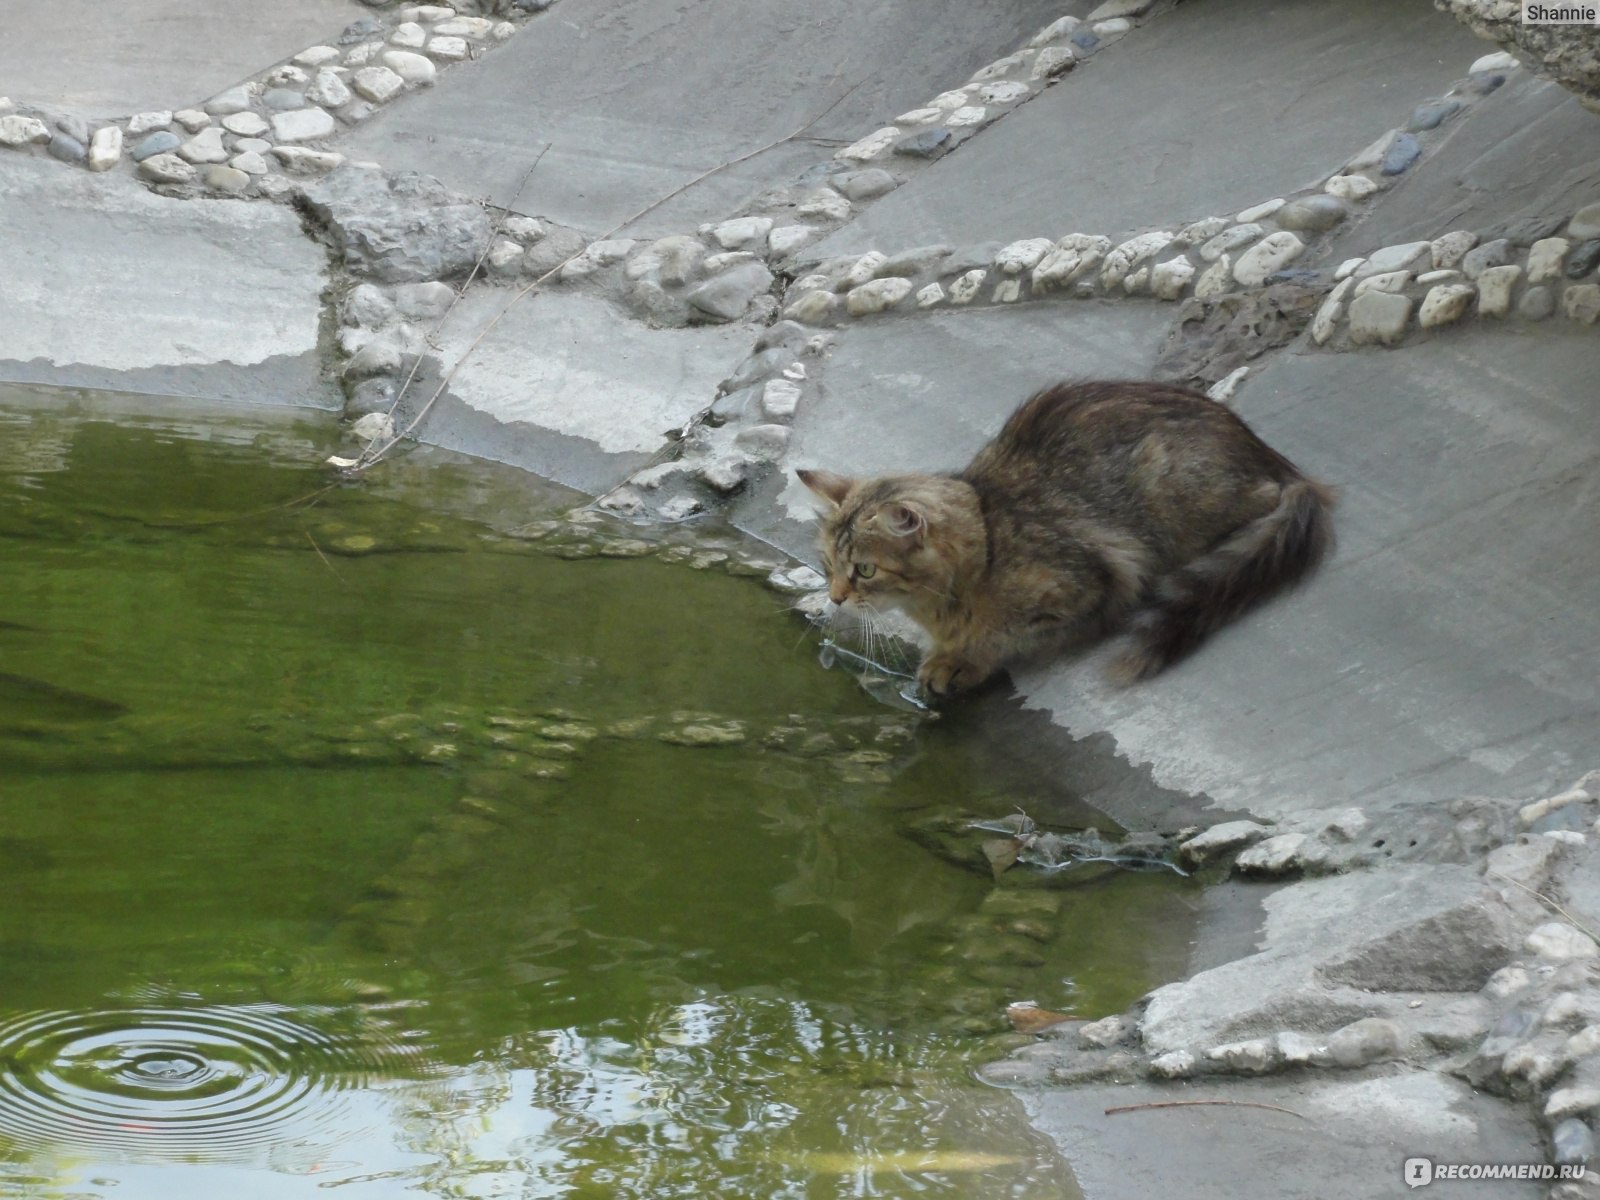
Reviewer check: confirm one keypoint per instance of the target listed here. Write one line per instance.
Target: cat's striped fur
(1099, 506)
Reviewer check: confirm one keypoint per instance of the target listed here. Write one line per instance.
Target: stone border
(1218, 254)
(1529, 1032)
(289, 110)
(1454, 275)
(1255, 248)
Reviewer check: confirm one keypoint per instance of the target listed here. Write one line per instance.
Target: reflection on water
(359, 845)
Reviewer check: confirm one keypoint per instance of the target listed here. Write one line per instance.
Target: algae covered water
(412, 837)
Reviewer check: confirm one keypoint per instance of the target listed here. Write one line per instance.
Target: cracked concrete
(572, 364)
(633, 106)
(1277, 84)
(107, 286)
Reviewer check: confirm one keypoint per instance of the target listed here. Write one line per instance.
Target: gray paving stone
(702, 84)
(568, 386)
(1190, 169)
(197, 298)
(1482, 175)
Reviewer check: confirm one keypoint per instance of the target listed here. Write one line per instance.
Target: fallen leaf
(1027, 1017)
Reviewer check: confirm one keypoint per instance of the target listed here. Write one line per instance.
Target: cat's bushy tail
(1266, 556)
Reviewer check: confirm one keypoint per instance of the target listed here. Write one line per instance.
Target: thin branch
(1546, 900)
(444, 383)
(471, 275)
(1127, 1108)
(323, 556)
(308, 498)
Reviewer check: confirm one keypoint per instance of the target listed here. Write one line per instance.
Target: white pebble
(864, 268)
(965, 288)
(1544, 258)
(316, 56)
(1022, 255)
(1327, 318)
(1229, 239)
(449, 49)
(148, 122)
(871, 146)
(1003, 93)
(876, 296)
(408, 34)
(1169, 279)
(779, 399)
(1495, 286)
(1270, 254)
(413, 68)
(1445, 304)
(1256, 212)
(377, 84)
(245, 124)
(105, 148)
(1557, 941)
(788, 238)
(1502, 61)
(1350, 187)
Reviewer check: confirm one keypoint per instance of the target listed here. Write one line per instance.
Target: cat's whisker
(875, 637)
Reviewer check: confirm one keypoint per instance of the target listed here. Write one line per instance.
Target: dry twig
(1548, 902)
(500, 223)
(1127, 1108)
(323, 556)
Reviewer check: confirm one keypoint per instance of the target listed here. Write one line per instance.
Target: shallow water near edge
(414, 839)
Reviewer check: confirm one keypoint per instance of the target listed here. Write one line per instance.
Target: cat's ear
(832, 488)
(902, 520)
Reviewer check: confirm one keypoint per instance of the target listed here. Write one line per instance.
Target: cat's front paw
(943, 675)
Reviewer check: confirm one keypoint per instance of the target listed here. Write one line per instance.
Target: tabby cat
(1099, 506)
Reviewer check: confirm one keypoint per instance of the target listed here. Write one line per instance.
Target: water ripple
(211, 1082)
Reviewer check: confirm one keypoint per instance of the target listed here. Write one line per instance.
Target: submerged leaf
(1027, 1017)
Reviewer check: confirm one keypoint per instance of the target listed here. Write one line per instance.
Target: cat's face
(875, 543)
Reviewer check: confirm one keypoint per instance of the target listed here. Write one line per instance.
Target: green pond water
(407, 838)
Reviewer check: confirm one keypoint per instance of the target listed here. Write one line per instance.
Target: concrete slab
(79, 56)
(1356, 1130)
(925, 392)
(570, 387)
(1207, 110)
(107, 285)
(637, 97)
(1527, 150)
(1447, 649)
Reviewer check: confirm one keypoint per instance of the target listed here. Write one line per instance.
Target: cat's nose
(839, 593)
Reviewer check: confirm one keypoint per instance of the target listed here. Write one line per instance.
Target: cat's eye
(866, 570)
